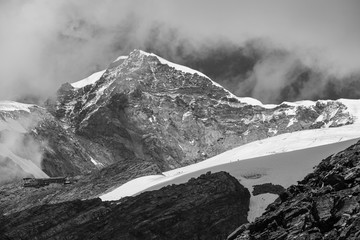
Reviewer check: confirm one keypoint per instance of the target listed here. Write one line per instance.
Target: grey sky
(45, 43)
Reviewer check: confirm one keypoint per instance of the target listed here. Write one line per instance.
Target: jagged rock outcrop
(325, 205)
(147, 107)
(203, 208)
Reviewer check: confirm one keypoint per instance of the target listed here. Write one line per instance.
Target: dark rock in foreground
(325, 205)
(204, 208)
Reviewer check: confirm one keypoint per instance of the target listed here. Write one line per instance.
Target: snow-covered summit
(174, 65)
(120, 58)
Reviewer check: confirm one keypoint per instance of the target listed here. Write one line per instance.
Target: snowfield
(120, 58)
(283, 159)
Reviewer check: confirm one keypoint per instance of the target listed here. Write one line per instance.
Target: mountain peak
(139, 60)
(146, 103)
(178, 67)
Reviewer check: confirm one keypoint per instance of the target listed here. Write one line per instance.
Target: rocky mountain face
(325, 205)
(146, 107)
(203, 208)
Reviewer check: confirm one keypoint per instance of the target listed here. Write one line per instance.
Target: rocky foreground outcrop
(203, 208)
(325, 205)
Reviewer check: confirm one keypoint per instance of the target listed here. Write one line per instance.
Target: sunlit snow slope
(283, 159)
(89, 80)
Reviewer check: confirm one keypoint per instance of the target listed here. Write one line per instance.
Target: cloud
(20, 153)
(270, 74)
(46, 43)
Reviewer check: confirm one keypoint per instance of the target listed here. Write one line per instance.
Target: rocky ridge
(203, 208)
(325, 205)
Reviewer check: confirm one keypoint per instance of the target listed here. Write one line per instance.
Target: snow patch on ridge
(191, 71)
(89, 80)
(14, 106)
(353, 106)
(186, 115)
(291, 122)
(121, 58)
(273, 131)
(255, 102)
(176, 66)
(96, 163)
(304, 103)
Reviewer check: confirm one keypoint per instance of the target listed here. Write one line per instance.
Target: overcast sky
(44, 43)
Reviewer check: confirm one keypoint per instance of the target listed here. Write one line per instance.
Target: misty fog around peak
(21, 154)
(270, 50)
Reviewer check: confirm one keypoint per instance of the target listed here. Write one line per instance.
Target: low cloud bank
(274, 51)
